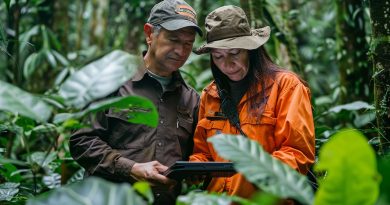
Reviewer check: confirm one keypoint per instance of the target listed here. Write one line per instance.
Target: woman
(250, 96)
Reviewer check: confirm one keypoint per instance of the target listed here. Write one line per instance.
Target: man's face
(169, 50)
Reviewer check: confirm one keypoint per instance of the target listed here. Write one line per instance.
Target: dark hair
(260, 68)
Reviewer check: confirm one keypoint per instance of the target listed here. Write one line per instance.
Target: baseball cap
(173, 15)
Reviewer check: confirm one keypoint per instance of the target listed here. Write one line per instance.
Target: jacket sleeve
(89, 148)
(201, 150)
(294, 130)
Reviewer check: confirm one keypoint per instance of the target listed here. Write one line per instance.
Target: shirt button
(162, 121)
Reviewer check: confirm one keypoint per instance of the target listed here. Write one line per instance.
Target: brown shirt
(112, 145)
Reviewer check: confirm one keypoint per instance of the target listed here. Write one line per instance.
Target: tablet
(184, 169)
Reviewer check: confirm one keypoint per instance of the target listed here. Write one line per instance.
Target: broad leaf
(93, 190)
(15, 100)
(52, 180)
(140, 110)
(8, 190)
(350, 164)
(98, 79)
(203, 198)
(357, 105)
(260, 168)
(144, 189)
(43, 159)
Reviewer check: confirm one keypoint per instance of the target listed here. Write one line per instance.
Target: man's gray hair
(156, 29)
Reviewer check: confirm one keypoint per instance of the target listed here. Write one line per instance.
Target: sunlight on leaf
(144, 189)
(99, 78)
(350, 164)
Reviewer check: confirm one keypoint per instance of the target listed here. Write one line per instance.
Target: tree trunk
(351, 51)
(13, 46)
(380, 55)
(61, 26)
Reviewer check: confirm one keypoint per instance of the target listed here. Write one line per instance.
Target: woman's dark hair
(260, 67)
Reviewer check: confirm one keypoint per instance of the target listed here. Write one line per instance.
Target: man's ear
(148, 31)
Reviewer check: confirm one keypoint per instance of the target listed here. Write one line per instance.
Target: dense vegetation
(55, 54)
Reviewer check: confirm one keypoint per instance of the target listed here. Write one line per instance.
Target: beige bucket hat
(227, 27)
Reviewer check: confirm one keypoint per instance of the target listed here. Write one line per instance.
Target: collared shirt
(113, 145)
(284, 127)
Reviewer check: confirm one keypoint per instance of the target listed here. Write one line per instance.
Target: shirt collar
(143, 73)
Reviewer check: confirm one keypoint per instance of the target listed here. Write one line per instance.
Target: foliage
(34, 128)
(260, 168)
(15, 100)
(90, 191)
(351, 168)
(98, 79)
(44, 42)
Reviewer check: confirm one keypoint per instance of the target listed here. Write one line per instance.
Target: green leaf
(141, 110)
(384, 169)
(25, 37)
(7, 3)
(350, 164)
(31, 64)
(93, 190)
(15, 100)
(260, 168)
(357, 105)
(8, 190)
(99, 78)
(43, 159)
(201, 198)
(144, 189)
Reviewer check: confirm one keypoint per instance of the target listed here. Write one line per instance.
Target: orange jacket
(285, 129)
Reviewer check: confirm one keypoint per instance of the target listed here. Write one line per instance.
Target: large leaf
(357, 105)
(15, 100)
(93, 190)
(99, 78)
(140, 110)
(260, 168)
(350, 164)
(203, 198)
(8, 190)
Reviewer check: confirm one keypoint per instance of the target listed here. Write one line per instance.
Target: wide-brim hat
(227, 27)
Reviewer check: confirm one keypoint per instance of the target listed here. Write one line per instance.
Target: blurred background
(340, 47)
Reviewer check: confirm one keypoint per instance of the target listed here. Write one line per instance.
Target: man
(125, 152)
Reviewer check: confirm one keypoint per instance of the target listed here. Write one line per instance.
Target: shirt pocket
(124, 134)
(212, 127)
(261, 130)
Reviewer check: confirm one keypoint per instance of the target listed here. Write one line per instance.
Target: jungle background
(340, 47)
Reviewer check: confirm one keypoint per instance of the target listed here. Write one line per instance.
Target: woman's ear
(148, 31)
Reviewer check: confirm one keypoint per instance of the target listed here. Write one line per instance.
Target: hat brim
(177, 24)
(257, 39)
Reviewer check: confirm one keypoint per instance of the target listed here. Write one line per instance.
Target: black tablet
(184, 169)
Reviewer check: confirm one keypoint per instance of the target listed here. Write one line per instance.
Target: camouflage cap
(227, 27)
(173, 15)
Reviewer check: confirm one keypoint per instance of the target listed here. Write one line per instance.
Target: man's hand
(151, 172)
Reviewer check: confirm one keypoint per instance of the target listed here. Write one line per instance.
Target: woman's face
(232, 62)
